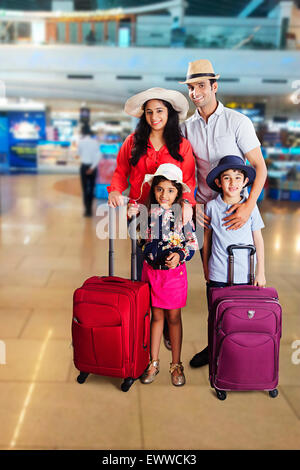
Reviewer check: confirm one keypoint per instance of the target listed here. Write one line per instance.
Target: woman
(156, 140)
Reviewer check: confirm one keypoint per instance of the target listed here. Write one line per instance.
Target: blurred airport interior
(64, 65)
(69, 62)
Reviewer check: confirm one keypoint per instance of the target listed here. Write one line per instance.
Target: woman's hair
(172, 135)
(156, 180)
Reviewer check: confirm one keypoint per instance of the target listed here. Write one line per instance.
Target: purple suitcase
(244, 331)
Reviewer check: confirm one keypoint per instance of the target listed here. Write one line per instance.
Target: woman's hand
(115, 199)
(172, 260)
(133, 209)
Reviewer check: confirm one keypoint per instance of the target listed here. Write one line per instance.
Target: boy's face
(231, 182)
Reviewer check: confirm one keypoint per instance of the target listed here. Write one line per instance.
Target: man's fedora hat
(230, 162)
(199, 70)
(134, 105)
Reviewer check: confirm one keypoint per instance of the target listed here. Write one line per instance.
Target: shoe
(148, 377)
(177, 379)
(200, 359)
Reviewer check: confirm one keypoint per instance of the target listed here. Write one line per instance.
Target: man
(215, 131)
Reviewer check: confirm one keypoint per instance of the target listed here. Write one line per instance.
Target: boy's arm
(258, 240)
(206, 251)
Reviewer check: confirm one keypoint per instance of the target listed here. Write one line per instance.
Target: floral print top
(166, 234)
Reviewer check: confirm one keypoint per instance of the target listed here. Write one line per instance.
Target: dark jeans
(88, 186)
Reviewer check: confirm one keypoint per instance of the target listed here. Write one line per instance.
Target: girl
(166, 247)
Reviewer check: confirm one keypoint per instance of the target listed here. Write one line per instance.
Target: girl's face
(156, 114)
(165, 194)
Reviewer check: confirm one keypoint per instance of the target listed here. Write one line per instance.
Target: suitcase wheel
(221, 394)
(273, 393)
(127, 384)
(82, 377)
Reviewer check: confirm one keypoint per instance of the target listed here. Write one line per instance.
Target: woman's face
(156, 114)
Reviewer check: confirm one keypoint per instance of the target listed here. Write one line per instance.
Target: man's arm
(243, 211)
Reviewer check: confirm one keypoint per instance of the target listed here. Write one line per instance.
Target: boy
(229, 178)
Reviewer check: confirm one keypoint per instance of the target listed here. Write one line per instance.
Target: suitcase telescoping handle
(112, 234)
(230, 249)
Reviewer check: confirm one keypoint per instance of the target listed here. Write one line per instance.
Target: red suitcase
(111, 324)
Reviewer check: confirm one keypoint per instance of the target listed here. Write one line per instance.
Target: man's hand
(172, 260)
(240, 213)
(115, 199)
(187, 213)
(89, 171)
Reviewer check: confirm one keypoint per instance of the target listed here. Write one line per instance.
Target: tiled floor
(46, 250)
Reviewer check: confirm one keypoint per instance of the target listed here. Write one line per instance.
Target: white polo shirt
(88, 151)
(227, 132)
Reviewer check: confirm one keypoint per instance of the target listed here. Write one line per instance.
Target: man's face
(202, 93)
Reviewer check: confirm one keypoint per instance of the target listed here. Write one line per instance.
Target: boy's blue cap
(230, 162)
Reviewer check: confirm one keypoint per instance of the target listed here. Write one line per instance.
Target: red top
(148, 164)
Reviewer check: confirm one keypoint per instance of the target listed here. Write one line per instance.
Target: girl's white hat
(171, 172)
(134, 104)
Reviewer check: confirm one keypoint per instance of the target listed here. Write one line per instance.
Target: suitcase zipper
(267, 299)
(220, 320)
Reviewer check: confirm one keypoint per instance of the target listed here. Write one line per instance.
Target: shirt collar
(222, 205)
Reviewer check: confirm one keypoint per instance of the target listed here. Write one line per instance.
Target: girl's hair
(156, 180)
(172, 135)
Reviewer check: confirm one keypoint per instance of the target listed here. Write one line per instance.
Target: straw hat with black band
(200, 70)
(134, 105)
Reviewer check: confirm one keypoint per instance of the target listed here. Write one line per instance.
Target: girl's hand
(260, 280)
(172, 260)
(115, 199)
(133, 209)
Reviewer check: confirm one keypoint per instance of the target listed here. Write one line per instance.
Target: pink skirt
(168, 287)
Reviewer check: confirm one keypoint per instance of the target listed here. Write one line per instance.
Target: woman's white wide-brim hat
(134, 105)
(171, 172)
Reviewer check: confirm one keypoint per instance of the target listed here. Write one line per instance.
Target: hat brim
(134, 105)
(149, 178)
(198, 79)
(215, 172)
